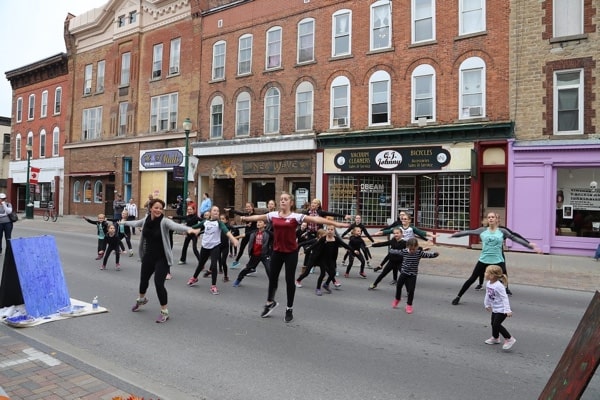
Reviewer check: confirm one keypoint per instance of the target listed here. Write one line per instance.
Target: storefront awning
(91, 173)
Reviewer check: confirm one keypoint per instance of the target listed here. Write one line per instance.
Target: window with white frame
(340, 102)
(472, 16)
(18, 149)
(44, 105)
(472, 88)
(306, 40)
(423, 19)
(87, 79)
(423, 93)
(19, 109)
(242, 114)
(125, 68)
(87, 192)
(30, 139)
(272, 110)
(216, 118)
(174, 56)
(342, 33)
(55, 142)
(91, 123)
(381, 25)
(304, 106)
(42, 143)
(568, 102)
(100, 78)
(57, 100)
(568, 17)
(274, 48)
(379, 98)
(77, 192)
(132, 17)
(98, 195)
(122, 130)
(218, 69)
(163, 113)
(31, 109)
(157, 53)
(245, 54)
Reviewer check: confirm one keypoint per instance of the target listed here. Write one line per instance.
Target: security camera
(593, 185)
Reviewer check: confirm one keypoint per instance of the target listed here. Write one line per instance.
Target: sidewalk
(30, 370)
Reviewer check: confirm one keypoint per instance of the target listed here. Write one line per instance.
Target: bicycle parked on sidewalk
(50, 213)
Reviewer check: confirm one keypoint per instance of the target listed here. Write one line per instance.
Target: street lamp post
(187, 127)
(28, 202)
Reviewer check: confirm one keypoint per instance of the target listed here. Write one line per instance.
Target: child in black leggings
(396, 244)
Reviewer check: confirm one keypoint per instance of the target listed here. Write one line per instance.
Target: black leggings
(478, 271)
(186, 242)
(392, 265)
(243, 245)
(159, 268)
(205, 254)
(360, 258)
(253, 263)
(278, 260)
(497, 328)
(329, 269)
(223, 258)
(110, 249)
(411, 282)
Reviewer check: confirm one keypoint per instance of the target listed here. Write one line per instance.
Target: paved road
(219, 349)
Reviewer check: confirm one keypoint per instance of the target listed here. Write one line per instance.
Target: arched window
(55, 142)
(379, 98)
(423, 93)
(42, 143)
(242, 114)
(304, 106)
(472, 88)
(272, 104)
(340, 102)
(18, 147)
(87, 192)
(216, 118)
(98, 195)
(76, 192)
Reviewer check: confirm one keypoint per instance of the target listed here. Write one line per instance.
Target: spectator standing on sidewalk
(492, 240)
(6, 225)
(118, 207)
(132, 212)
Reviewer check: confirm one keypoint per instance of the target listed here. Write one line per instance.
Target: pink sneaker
(214, 290)
(408, 309)
(395, 303)
(192, 281)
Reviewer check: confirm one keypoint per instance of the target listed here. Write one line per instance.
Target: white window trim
(31, 107)
(268, 54)
(157, 61)
(101, 76)
(580, 101)
(19, 110)
(55, 142)
(338, 82)
(244, 96)
(42, 147)
(375, 5)
(18, 142)
(218, 61)
(97, 132)
(44, 104)
(125, 75)
(299, 39)
(217, 101)
(380, 76)
(77, 195)
(305, 87)
(414, 22)
(340, 13)
(277, 117)
(472, 64)
(420, 71)
(243, 38)
(155, 112)
(461, 18)
(58, 100)
(175, 56)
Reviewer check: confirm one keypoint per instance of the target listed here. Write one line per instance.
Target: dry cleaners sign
(395, 159)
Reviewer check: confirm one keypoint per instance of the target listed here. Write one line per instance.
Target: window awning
(91, 173)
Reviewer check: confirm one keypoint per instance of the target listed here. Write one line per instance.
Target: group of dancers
(275, 238)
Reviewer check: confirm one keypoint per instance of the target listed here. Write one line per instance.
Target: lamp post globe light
(187, 127)
(28, 202)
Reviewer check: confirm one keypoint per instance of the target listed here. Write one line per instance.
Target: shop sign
(160, 159)
(278, 167)
(394, 159)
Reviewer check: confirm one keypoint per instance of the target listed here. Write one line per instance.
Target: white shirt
(131, 209)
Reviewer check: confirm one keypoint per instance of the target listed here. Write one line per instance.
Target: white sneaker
(298, 284)
(493, 340)
(508, 343)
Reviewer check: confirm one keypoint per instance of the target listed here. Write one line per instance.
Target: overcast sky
(32, 30)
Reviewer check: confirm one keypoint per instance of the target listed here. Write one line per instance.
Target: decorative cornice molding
(155, 12)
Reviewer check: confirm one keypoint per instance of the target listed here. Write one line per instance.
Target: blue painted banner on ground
(41, 275)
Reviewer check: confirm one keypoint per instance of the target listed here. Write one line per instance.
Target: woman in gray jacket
(155, 253)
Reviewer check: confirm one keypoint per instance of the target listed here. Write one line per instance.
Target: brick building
(39, 121)
(134, 83)
(554, 95)
(372, 106)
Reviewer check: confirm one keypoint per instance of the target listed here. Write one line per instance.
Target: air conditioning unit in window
(340, 122)
(87, 90)
(156, 74)
(474, 111)
(173, 70)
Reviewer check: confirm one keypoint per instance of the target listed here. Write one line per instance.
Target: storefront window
(577, 202)
(444, 202)
(369, 196)
(261, 192)
(87, 192)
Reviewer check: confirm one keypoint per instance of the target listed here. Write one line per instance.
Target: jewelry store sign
(393, 159)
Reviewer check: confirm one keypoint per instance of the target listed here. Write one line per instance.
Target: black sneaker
(288, 315)
(508, 292)
(268, 309)
(455, 301)
(478, 287)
